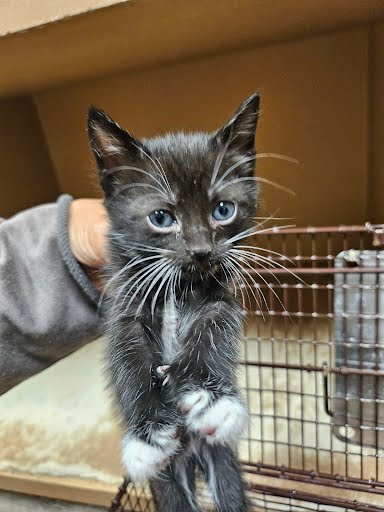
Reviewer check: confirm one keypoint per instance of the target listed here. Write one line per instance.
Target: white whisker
(159, 168)
(272, 263)
(150, 248)
(245, 160)
(237, 260)
(257, 288)
(166, 278)
(220, 157)
(157, 278)
(278, 156)
(107, 172)
(256, 248)
(258, 179)
(256, 231)
(142, 278)
(136, 185)
(225, 272)
(239, 277)
(250, 159)
(132, 263)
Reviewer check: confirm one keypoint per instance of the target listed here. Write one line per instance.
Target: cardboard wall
(74, 40)
(314, 108)
(376, 132)
(26, 177)
(23, 14)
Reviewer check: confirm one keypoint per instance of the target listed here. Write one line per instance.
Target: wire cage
(312, 372)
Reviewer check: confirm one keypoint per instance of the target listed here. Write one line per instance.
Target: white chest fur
(169, 330)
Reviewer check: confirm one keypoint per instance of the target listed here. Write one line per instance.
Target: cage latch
(326, 372)
(377, 232)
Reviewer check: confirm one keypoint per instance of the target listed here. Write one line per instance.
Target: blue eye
(224, 211)
(162, 219)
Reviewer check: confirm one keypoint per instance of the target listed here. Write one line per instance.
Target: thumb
(88, 228)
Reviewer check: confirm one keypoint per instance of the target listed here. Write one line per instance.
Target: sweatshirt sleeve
(48, 306)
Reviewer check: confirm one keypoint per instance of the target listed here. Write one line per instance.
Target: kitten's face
(179, 197)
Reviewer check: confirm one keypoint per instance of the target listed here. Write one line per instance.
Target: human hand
(87, 228)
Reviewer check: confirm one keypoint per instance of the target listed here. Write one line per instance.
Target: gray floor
(10, 502)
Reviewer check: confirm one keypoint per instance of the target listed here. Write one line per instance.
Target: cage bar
(312, 371)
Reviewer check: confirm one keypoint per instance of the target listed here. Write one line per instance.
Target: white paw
(142, 460)
(222, 421)
(194, 403)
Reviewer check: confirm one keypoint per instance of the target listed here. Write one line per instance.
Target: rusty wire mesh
(312, 371)
(131, 498)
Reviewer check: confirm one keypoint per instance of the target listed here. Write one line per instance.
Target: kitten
(177, 204)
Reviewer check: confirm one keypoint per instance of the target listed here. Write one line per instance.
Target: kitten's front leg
(218, 419)
(208, 399)
(149, 412)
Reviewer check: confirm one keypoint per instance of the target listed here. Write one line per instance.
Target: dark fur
(209, 318)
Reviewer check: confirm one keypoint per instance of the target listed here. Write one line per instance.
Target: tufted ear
(239, 132)
(113, 147)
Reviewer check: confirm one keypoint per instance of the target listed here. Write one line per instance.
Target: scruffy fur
(173, 322)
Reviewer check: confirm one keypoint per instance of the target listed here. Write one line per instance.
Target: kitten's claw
(162, 373)
(193, 403)
(218, 421)
(162, 370)
(142, 460)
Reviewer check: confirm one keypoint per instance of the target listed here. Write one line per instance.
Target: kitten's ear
(113, 148)
(239, 133)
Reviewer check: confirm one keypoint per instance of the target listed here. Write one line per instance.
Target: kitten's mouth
(203, 268)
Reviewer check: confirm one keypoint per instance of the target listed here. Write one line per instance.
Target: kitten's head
(181, 198)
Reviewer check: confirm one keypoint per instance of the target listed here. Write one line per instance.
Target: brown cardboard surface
(142, 33)
(26, 173)
(314, 109)
(376, 128)
(20, 15)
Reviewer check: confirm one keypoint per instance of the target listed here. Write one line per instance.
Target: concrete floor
(21, 503)
(60, 423)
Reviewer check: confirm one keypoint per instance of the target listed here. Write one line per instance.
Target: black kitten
(177, 204)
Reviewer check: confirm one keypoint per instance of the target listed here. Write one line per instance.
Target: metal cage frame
(314, 384)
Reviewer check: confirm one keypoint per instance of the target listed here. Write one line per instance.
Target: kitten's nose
(201, 254)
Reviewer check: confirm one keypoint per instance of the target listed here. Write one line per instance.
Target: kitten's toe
(194, 403)
(142, 460)
(223, 422)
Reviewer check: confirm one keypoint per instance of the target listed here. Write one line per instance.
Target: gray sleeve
(48, 307)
